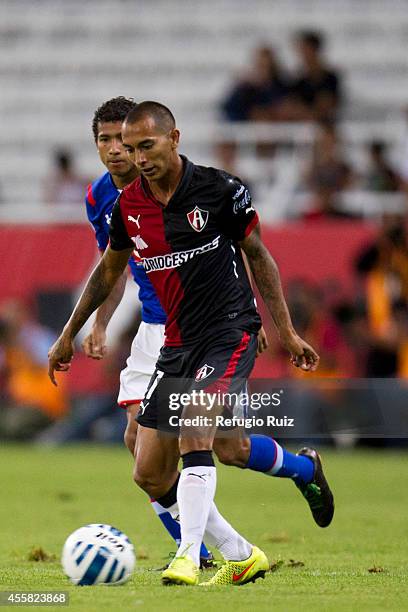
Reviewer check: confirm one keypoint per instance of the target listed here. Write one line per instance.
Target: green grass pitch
(47, 493)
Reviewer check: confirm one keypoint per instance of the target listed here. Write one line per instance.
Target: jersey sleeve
(238, 216)
(119, 239)
(101, 235)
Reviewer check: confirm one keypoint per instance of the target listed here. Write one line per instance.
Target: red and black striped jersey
(190, 250)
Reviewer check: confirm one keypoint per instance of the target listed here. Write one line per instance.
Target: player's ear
(175, 138)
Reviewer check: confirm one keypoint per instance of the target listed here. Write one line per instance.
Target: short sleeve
(238, 217)
(119, 239)
(101, 234)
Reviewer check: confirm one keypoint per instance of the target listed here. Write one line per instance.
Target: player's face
(149, 148)
(111, 150)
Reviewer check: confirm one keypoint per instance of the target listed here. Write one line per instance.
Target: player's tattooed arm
(98, 287)
(94, 345)
(266, 274)
(262, 337)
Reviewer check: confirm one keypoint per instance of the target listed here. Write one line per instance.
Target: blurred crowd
(82, 406)
(314, 93)
(268, 93)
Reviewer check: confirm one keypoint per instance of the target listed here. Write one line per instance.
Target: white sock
(222, 535)
(195, 495)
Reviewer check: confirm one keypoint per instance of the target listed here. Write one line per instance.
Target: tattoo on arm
(267, 279)
(98, 287)
(106, 310)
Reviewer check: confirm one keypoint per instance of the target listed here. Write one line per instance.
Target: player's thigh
(140, 365)
(156, 460)
(220, 371)
(135, 377)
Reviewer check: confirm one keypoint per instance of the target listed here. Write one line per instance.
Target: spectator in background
(311, 315)
(64, 185)
(95, 415)
(384, 267)
(4, 332)
(327, 175)
(31, 402)
(316, 91)
(260, 94)
(381, 176)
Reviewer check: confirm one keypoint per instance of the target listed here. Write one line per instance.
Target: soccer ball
(98, 554)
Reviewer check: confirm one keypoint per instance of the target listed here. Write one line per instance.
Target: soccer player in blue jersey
(100, 198)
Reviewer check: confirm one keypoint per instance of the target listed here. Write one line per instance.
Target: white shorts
(141, 363)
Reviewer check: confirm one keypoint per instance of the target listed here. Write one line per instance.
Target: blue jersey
(100, 199)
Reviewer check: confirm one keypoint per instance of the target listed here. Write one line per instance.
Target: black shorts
(219, 364)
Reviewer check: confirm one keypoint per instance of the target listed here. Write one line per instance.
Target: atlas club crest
(203, 372)
(198, 218)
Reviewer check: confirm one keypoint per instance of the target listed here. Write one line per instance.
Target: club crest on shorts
(203, 372)
(198, 218)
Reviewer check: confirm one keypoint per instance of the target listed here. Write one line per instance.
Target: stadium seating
(59, 60)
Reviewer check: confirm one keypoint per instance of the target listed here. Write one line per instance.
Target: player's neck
(121, 181)
(164, 188)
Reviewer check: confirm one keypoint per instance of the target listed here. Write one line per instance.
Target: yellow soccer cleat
(182, 570)
(241, 572)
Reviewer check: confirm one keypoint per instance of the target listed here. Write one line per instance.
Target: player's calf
(233, 451)
(156, 462)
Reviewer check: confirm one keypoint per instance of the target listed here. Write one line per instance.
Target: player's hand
(94, 344)
(60, 356)
(262, 341)
(303, 356)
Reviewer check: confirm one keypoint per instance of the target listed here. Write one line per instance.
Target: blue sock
(269, 457)
(173, 527)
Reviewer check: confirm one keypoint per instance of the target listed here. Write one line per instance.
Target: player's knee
(143, 478)
(151, 481)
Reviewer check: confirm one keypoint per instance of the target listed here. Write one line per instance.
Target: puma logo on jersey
(130, 218)
(198, 218)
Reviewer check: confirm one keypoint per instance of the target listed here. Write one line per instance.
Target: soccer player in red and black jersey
(187, 222)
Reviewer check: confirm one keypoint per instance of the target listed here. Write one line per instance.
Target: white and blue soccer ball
(98, 554)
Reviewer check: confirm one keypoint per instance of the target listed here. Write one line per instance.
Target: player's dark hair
(163, 117)
(312, 38)
(111, 111)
